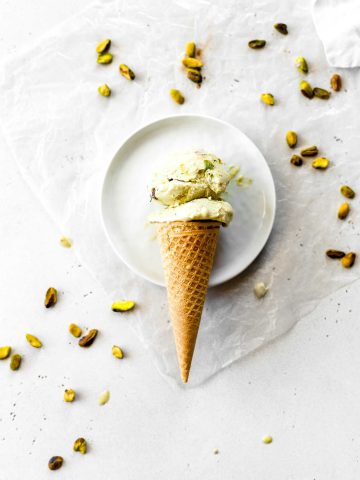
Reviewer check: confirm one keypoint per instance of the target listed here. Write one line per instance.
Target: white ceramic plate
(126, 201)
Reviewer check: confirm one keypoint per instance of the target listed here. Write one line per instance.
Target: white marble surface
(303, 389)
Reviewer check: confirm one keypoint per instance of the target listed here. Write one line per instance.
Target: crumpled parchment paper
(63, 135)
(338, 26)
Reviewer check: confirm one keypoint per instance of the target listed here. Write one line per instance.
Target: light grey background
(303, 389)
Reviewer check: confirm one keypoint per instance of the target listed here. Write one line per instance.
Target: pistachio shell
(55, 463)
(256, 44)
(194, 75)
(347, 191)
(103, 46)
(80, 445)
(190, 49)
(126, 72)
(69, 395)
(291, 138)
(50, 297)
(320, 163)
(309, 151)
(281, 28)
(117, 352)
(335, 82)
(88, 339)
(75, 330)
(15, 361)
(343, 211)
(268, 98)
(104, 90)
(335, 254)
(301, 64)
(321, 93)
(177, 96)
(34, 341)
(189, 62)
(4, 352)
(348, 260)
(296, 160)
(122, 306)
(105, 58)
(306, 90)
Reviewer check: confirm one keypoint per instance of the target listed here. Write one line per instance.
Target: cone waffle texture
(187, 251)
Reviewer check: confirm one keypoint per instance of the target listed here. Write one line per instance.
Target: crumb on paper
(267, 439)
(260, 289)
(216, 451)
(65, 242)
(104, 397)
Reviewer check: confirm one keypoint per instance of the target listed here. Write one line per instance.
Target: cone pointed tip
(185, 376)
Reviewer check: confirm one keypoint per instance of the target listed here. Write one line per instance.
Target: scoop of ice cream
(190, 175)
(198, 209)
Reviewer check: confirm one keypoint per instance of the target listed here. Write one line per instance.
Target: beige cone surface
(187, 251)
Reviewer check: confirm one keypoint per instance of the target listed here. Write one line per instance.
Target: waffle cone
(187, 251)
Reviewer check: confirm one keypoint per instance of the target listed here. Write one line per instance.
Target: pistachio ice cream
(190, 188)
(190, 175)
(198, 209)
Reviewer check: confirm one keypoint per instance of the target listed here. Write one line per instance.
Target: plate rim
(128, 138)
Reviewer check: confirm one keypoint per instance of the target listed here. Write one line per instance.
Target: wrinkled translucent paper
(63, 135)
(338, 26)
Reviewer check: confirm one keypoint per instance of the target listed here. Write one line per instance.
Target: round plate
(126, 200)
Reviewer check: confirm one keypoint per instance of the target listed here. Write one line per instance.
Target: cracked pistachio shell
(177, 96)
(268, 99)
(190, 49)
(301, 64)
(348, 260)
(347, 191)
(291, 138)
(320, 163)
(105, 58)
(343, 211)
(103, 46)
(306, 90)
(126, 72)
(4, 352)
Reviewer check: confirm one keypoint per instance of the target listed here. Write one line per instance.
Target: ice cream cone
(187, 251)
